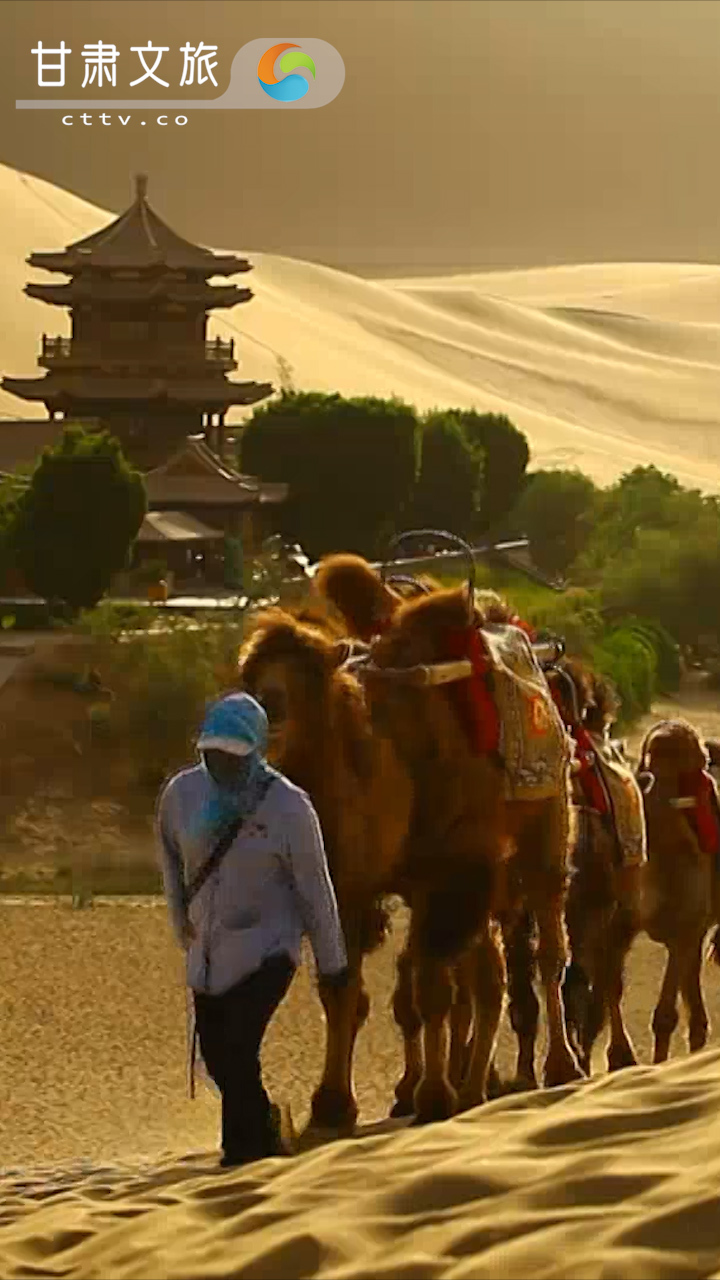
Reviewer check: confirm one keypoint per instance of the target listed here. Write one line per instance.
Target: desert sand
(605, 367)
(108, 1169)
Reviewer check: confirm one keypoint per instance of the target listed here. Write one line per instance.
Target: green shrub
(165, 680)
(667, 652)
(629, 659)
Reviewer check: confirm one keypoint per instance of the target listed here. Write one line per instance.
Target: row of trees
(362, 468)
(646, 545)
(359, 470)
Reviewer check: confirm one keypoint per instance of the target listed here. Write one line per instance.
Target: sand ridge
(616, 1177)
(604, 366)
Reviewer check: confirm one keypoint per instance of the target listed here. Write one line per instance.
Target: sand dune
(605, 366)
(615, 1178)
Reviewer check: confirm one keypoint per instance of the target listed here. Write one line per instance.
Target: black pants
(230, 1030)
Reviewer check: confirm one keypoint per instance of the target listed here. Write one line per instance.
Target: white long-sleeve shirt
(272, 886)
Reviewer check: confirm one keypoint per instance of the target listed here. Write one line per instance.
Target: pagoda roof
(138, 239)
(56, 389)
(71, 292)
(194, 475)
(176, 526)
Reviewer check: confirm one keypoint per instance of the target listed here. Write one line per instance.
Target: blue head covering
(238, 725)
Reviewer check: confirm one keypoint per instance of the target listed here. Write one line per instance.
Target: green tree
(505, 453)
(75, 522)
(673, 580)
(555, 512)
(449, 481)
(350, 465)
(643, 499)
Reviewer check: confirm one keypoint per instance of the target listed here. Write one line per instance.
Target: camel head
(583, 697)
(291, 665)
(604, 707)
(412, 664)
(671, 750)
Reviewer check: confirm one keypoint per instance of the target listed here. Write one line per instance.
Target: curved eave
(242, 393)
(72, 264)
(71, 294)
(51, 390)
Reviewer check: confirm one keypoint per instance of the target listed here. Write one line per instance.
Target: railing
(218, 349)
(56, 348)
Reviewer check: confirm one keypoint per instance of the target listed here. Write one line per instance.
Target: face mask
(228, 772)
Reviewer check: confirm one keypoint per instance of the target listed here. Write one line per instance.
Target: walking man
(245, 876)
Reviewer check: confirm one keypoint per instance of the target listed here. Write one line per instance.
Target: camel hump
(355, 589)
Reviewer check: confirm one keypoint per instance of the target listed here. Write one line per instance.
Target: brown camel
(418, 684)
(608, 863)
(322, 739)
(681, 893)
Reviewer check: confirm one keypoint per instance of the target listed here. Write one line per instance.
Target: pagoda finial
(141, 182)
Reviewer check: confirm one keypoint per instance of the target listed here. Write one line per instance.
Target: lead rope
(192, 1045)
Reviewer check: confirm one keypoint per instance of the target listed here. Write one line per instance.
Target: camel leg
(583, 922)
(461, 1018)
(623, 932)
(443, 928)
(435, 1098)
(542, 852)
(334, 1105)
(410, 1024)
(577, 995)
(561, 1066)
(611, 944)
(608, 970)
(692, 997)
(489, 990)
(524, 1006)
(665, 1017)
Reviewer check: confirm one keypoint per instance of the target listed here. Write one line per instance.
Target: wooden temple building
(139, 363)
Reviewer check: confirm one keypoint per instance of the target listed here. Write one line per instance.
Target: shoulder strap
(228, 838)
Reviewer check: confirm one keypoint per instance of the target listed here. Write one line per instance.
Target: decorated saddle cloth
(623, 802)
(533, 742)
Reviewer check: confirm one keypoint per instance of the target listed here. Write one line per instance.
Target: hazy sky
(495, 132)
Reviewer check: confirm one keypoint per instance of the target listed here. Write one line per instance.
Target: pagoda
(138, 362)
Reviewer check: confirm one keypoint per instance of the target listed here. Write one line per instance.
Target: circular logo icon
(290, 87)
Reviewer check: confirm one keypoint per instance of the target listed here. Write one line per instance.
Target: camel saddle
(622, 805)
(533, 742)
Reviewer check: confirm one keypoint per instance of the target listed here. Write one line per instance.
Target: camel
(324, 740)
(321, 738)
(681, 893)
(603, 906)
(469, 821)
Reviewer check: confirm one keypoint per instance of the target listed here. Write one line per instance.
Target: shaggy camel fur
(681, 896)
(322, 739)
(602, 912)
(506, 851)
